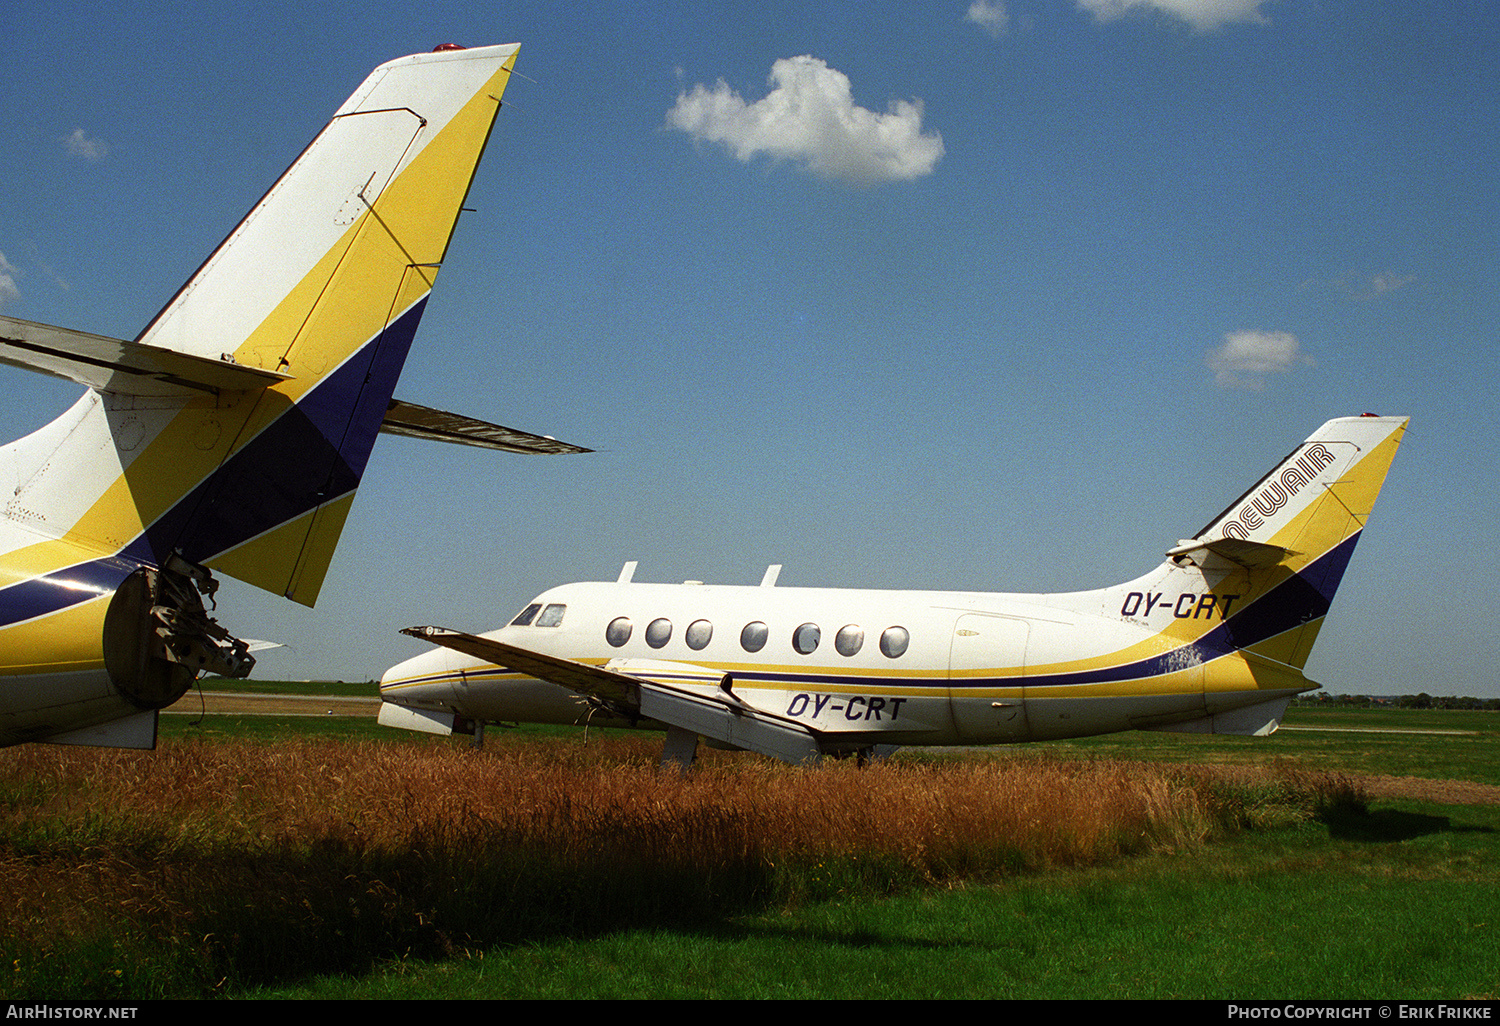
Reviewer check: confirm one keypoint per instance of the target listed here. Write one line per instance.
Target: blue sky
(983, 296)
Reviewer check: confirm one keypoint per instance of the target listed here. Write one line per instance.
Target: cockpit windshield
(550, 615)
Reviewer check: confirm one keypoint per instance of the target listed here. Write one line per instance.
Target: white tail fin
(234, 431)
(1262, 575)
(1321, 493)
(320, 290)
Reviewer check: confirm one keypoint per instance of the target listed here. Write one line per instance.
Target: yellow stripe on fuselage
(70, 639)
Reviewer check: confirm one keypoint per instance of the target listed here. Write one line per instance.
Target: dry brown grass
(206, 860)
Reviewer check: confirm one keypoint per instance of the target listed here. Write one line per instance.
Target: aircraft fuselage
(872, 667)
(1214, 639)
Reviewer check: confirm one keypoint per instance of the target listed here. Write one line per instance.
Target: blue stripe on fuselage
(60, 589)
(1300, 599)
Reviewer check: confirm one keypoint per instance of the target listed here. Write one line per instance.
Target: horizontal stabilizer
(1249, 554)
(132, 368)
(413, 421)
(115, 365)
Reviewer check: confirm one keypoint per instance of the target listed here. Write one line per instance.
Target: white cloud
(80, 144)
(810, 117)
(1380, 284)
(1361, 286)
(1246, 357)
(8, 289)
(989, 16)
(1202, 15)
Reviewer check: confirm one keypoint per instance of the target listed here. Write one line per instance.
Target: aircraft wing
(115, 365)
(403, 418)
(621, 691)
(721, 715)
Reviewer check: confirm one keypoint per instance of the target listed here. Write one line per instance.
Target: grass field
(325, 857)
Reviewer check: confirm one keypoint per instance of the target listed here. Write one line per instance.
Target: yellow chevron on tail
(234, 431)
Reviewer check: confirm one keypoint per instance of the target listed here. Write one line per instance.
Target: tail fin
(322, 285)
(1274, 558)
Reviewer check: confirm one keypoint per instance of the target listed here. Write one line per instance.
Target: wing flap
(413, 421)
(731, 722)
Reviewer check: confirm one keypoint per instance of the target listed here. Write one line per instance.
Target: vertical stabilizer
(234, 431)
(324, 281)
(1319, 495)
(1275, 557)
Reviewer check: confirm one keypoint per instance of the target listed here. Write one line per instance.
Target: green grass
(1431, 743)
(1393, 900)
(269, 729)
(1399, 902)
(182, 724)
(339, 688)
(1404, 905)
(1435, 744)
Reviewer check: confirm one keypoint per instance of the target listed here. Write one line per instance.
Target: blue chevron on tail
(232, 433)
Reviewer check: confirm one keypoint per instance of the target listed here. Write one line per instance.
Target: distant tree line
(1418, 701)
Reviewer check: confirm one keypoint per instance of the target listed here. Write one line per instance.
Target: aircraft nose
(424, 681)
(418, 694)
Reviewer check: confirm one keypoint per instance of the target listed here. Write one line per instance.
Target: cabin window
(618, 631)
(525, 616)
(805, 638)
(753, 637)
(849, 640)
(659, 632)
(552, 615)
(893, 642)
(698, 634)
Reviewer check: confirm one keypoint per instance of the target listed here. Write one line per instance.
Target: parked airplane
(232, 433)
(1212, 640)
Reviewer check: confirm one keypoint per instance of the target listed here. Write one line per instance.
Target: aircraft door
(986, 666)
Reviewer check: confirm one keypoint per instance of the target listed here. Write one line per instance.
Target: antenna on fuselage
(627, 572)
(772, 572)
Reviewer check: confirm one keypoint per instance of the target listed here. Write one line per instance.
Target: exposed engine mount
(158, 636)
